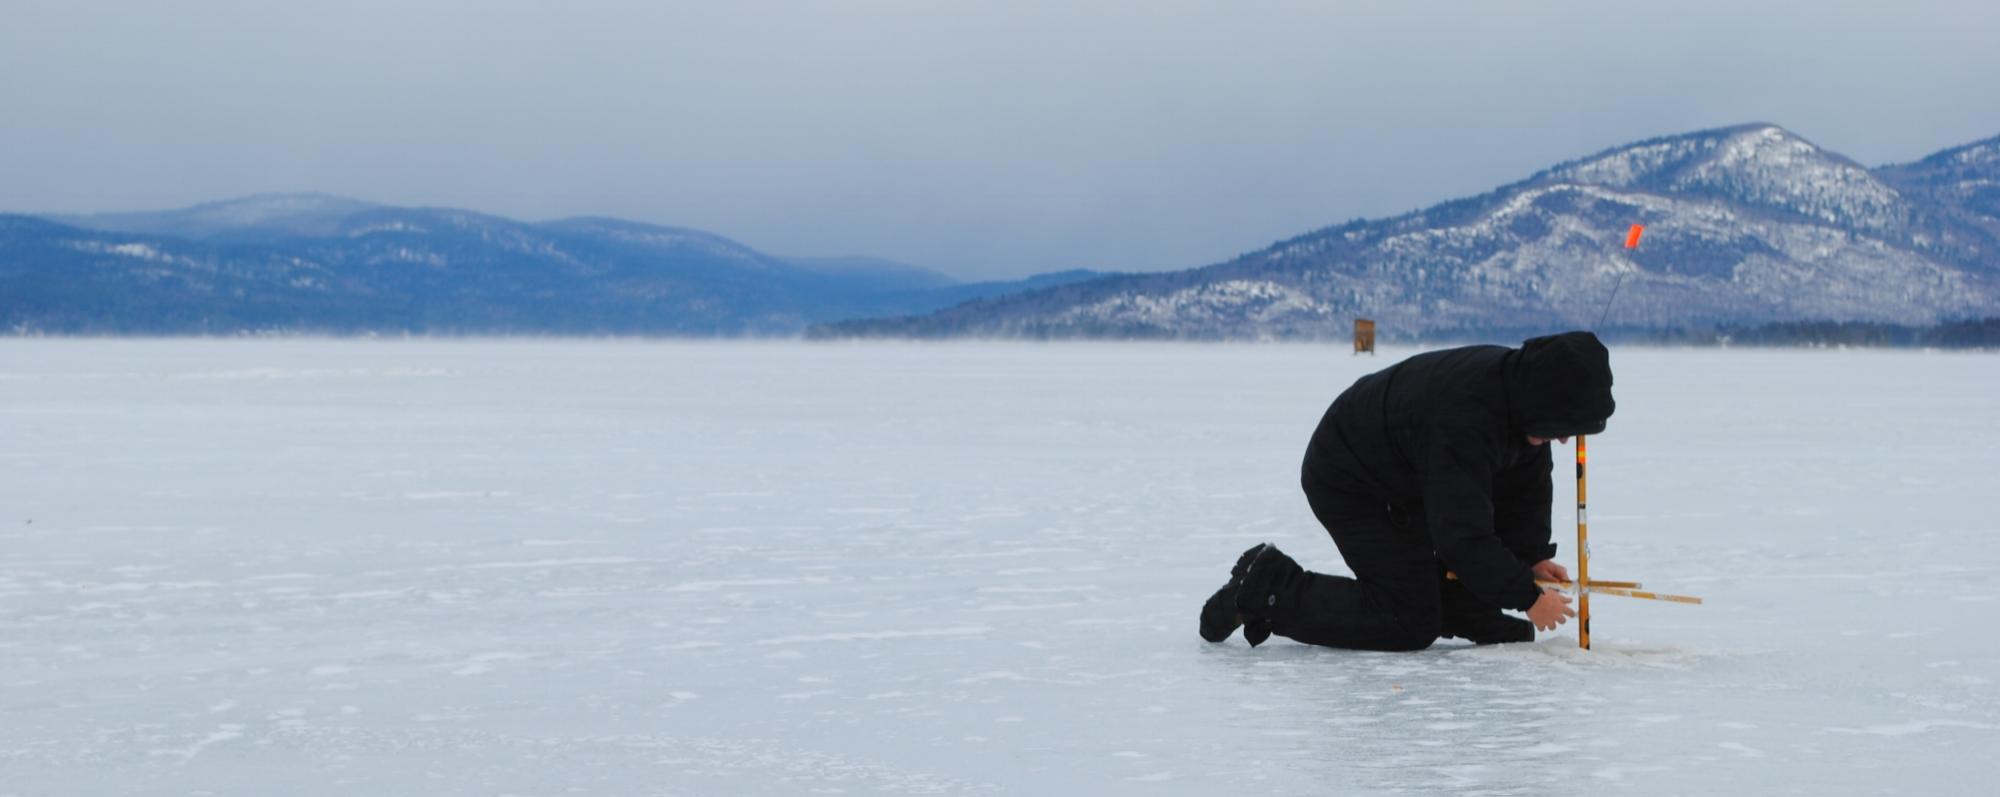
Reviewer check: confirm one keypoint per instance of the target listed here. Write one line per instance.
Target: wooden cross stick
(1593, 583)
(1623, 589)
(1598, 587)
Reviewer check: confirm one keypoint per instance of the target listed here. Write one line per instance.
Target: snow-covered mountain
(326, 264)
(260, 217)
(1744, 225)
(1961, 188)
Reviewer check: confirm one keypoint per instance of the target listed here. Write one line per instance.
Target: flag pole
(1582, 511)
(1582, 552)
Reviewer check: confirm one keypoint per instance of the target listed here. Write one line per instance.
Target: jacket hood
(1560, 386)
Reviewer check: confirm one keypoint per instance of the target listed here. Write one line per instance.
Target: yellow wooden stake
(1582, 553)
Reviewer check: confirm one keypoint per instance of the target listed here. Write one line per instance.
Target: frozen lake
(443, 568)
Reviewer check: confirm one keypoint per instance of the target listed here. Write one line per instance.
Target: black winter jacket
(1445, 433)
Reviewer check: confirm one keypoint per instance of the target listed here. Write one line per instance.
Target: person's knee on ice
(1419, 626)
(1409, 643)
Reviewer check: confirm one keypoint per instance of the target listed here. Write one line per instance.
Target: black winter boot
(1219, 617)
(1268, 590)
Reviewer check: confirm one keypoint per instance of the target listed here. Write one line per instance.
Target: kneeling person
(1439, 463)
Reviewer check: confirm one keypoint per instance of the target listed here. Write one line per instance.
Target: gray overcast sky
(979, 138)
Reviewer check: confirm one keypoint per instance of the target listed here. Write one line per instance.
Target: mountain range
(309, 263)
(1744, 225)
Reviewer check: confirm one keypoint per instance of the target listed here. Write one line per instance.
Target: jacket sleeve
(1522, 496)
(1458, 475)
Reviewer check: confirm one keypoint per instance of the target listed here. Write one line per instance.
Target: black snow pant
(1398, 598)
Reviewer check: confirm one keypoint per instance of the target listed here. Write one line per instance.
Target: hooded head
(1561, 386)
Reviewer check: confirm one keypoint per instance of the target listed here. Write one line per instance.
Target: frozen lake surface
(443, 568)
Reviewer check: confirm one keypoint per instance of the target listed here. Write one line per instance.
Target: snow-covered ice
(392, 567)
